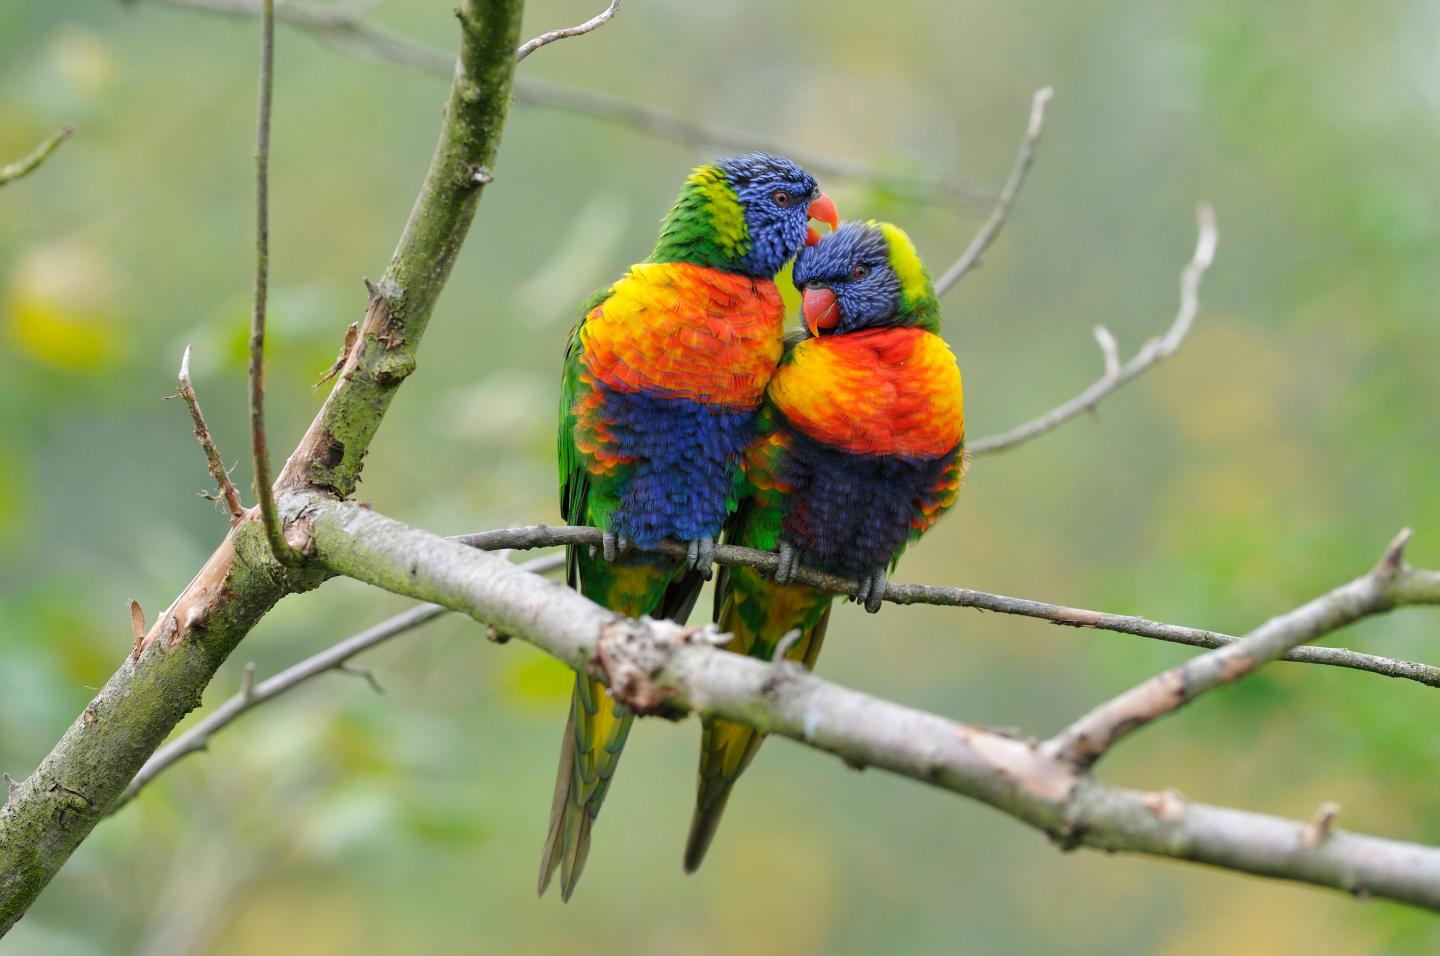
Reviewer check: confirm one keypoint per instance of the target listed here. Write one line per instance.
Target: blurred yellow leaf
(62, 307)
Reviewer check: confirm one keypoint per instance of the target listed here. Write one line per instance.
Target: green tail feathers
(597, 726)
(589, 753)
(759, 614)
(726, 749)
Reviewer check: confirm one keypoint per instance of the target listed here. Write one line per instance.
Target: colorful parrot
(860, 448)
(664, 376)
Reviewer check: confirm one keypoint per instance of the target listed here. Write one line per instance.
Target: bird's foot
(872, 590)
(789, 560)
(613, 545)
(700, 555)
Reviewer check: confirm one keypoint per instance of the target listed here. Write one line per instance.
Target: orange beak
(821, 309)
(822, 209)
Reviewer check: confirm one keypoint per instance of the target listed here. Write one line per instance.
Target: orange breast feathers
(684, 331)
(883, 392)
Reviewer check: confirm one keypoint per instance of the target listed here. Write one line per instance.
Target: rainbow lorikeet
(859, 450)
(663, 378)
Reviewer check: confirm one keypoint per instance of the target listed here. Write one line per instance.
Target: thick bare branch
(52, 811)
(214, 463)
(252, 695)
(595, 22)
(345, 31)
(545, 536)
(539, 536)
(29, 163)
(1151, 353)
(657, 667)
(1089, 738)
(970, 258)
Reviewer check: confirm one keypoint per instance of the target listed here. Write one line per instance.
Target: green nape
(706, 226)
(918, 304)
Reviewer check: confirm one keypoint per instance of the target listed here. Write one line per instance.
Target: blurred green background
(1273, 457)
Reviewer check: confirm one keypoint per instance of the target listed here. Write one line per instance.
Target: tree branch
(52, 811)
(1116, 375)
(658, 667)
(259, 449)
(347, 32)
(652, 121)
(1407, 592)
(1409, 587)
(28, 164)
(1089, 738)
(214, 462)
(970, 258)
(601, 18)
(252, 695)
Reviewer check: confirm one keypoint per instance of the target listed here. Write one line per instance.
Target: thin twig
(251, 694)
(28, 164)
(546, 536)
(656, 122)
(259, 449)
(970, 258)
(1151, 353)
(371, 41)
(1089, 738)
(365, 674)
(214, 462)
(530, 46)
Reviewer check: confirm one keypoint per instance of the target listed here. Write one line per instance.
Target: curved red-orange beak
(821, 309)
(822, 209)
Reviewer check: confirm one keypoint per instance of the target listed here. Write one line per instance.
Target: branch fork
(1088, 739)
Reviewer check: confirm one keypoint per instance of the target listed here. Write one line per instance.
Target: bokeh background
(1273, 457)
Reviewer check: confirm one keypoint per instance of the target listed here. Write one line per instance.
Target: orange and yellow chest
(884, 392)
(677, 330)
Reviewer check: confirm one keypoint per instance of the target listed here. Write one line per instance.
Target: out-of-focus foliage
(1272, 457)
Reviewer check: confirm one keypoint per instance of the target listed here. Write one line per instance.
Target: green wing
(575, 477)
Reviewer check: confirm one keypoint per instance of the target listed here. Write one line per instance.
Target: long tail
(597, 725)
(595, 734)
(727, 748)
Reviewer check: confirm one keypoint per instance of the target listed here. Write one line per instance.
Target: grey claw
(592, 551)
(785, 569)
(623, 544)
(700, 555)
(707, 557)
(872, 591)
(607, 545)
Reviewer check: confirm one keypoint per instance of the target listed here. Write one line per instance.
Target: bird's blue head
(747, 214)
(864, 275)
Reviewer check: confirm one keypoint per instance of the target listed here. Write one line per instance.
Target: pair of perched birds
(685, 413)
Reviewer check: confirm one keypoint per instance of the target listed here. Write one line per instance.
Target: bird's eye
(860, 272)
(780, 197)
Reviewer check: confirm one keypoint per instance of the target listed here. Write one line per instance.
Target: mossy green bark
(52, 811)
(47, 816)
(405, 297)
